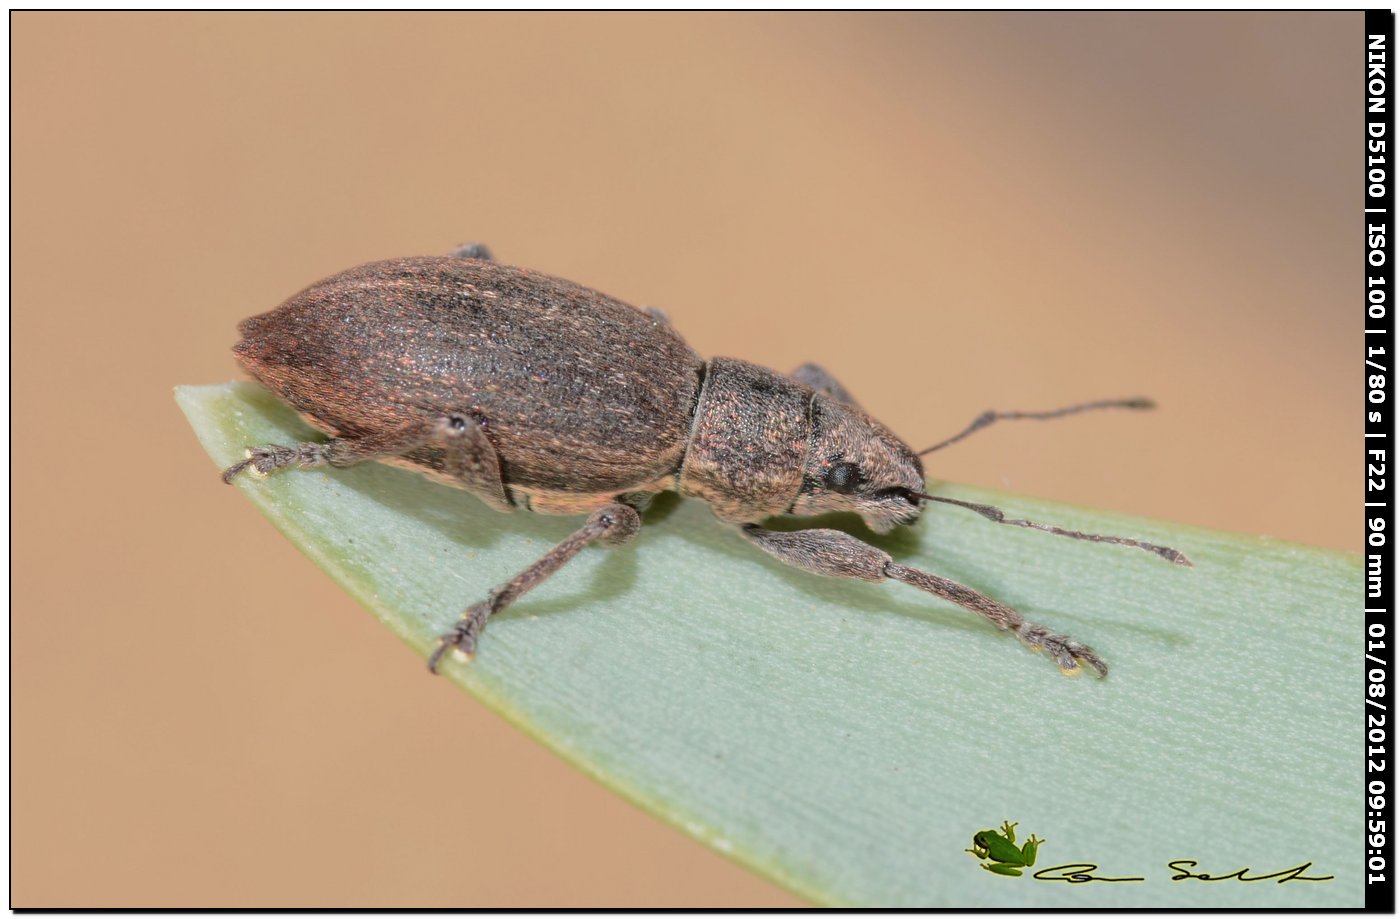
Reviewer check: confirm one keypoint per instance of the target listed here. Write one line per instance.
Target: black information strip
(1380, 355)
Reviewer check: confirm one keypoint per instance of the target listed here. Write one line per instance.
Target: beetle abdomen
(578, 392)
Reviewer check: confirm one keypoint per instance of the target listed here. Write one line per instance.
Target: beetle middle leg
(841, 555)
(612, 525)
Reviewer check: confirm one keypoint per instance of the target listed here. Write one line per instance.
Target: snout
(895, 509)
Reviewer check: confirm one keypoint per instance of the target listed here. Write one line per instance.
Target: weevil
(537, 394)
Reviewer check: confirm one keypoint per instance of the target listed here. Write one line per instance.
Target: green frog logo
(998, 853)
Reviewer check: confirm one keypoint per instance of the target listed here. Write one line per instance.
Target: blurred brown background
(954, 212)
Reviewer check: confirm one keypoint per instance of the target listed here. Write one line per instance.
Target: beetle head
(856, 464)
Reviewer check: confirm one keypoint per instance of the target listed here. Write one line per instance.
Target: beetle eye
(843, 478)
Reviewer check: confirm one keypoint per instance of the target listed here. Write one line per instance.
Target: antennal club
(997, 515)
(987, 418)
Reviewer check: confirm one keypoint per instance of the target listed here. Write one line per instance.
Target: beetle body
(585, 399)
(537, 394)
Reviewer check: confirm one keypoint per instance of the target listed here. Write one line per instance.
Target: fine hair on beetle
(537, 394)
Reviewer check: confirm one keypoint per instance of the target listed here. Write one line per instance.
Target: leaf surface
(847, 739)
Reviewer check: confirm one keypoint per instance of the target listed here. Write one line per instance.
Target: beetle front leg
(613, 525)
(841, 555)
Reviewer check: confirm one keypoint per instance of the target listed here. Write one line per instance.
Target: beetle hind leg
(466, 454)
(263, 461)
(338, 451)
(471, 458)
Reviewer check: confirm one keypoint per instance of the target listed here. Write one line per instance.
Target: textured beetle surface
(537, 394)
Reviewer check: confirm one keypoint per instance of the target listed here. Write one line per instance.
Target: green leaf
(847, 739)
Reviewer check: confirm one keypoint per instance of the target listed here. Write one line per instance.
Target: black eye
(843, 478)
